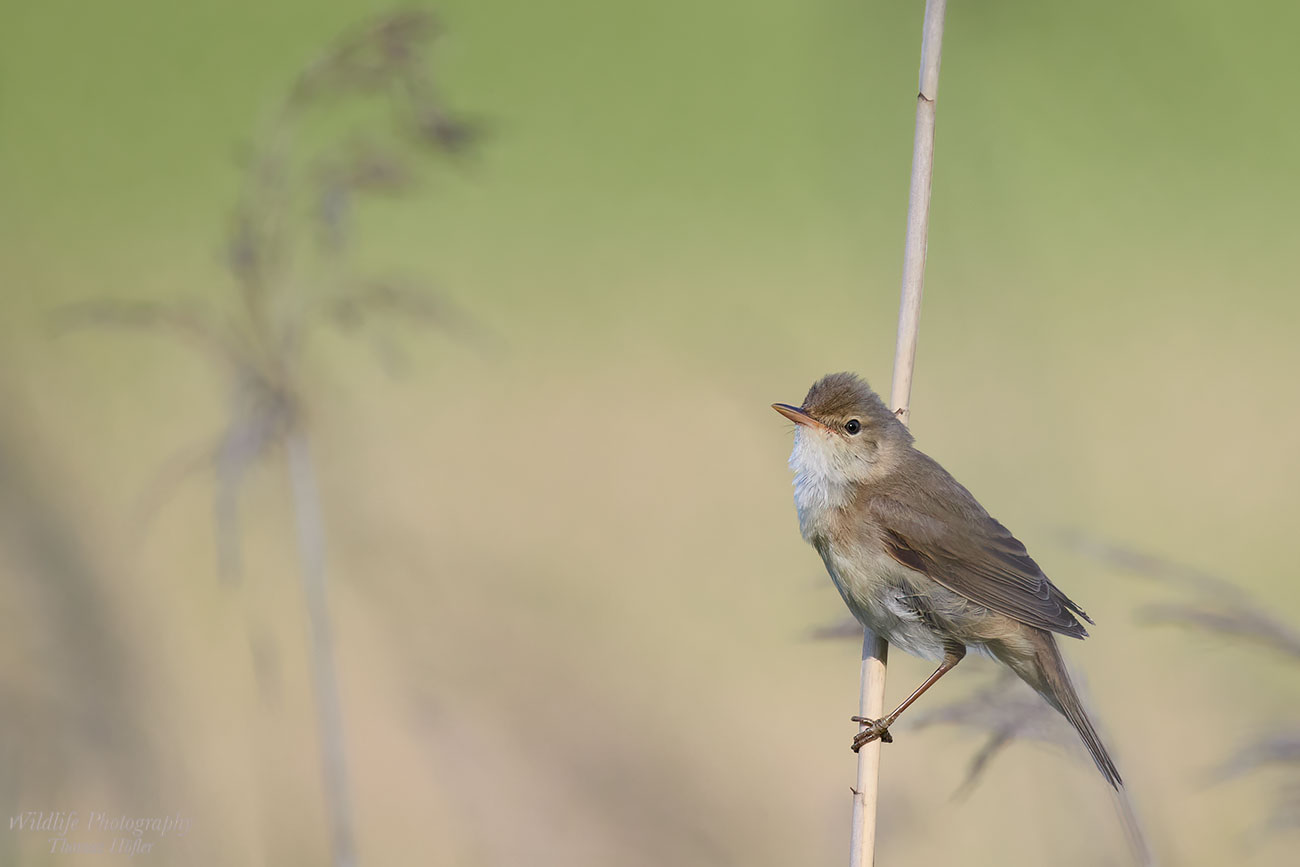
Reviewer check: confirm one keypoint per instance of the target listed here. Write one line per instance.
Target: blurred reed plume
(1217, 606)
(352, 125)
(1006, 710)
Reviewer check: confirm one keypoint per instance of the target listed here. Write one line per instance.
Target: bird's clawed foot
(875, 728)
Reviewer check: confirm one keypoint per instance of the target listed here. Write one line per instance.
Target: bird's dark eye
(852, 426)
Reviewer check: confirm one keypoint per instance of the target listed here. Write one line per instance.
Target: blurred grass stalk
(329, 710)
(875, 651)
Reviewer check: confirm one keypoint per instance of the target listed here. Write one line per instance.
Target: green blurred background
(573, 609)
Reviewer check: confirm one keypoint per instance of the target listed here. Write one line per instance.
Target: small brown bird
(918, 560)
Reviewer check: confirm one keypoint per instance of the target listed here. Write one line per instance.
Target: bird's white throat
(821, 477)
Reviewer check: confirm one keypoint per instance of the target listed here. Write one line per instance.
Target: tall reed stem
(874, 649)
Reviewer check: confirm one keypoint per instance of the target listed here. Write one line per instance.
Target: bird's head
(844, 434)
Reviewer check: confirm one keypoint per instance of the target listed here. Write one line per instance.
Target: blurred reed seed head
(288, 246)
(1218, 606)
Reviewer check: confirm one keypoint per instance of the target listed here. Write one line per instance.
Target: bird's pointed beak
(798, 416)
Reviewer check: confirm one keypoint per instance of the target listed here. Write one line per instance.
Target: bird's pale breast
(885, 596)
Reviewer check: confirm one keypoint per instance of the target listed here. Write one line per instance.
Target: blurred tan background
(572, 609)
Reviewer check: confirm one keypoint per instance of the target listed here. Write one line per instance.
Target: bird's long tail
(1054, 685)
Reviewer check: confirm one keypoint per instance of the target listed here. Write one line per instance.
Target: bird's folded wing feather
(962, 547)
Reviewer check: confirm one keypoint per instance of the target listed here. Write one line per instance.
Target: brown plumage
(916, 557)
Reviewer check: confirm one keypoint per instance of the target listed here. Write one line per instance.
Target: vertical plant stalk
(874, 649)
(329, 711)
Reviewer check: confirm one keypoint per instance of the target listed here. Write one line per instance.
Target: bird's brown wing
(957, 544)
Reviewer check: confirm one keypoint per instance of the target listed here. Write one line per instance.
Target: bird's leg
(879, 728)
